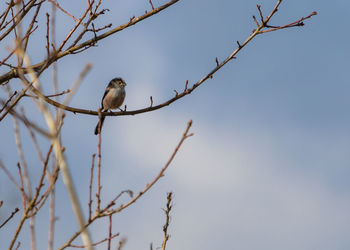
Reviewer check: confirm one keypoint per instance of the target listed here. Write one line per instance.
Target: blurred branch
(55, 140)
(122, 243)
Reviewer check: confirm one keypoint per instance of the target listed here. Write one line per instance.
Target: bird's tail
(99, 125)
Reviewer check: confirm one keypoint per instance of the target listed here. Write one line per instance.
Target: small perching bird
(112, 99)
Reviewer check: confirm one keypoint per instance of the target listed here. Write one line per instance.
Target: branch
(46, 63)
(10, 217)
(169, 206)
(7, 102)
(187, 90)
(104, 212)
(97, 243)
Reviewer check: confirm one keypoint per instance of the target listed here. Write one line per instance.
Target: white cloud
(237, 189)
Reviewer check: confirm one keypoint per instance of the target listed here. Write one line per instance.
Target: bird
(113, 98)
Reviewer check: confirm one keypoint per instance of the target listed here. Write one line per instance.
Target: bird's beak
(123, 84)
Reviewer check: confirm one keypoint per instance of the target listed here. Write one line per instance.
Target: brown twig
(10, 217)
(16, 19)
(27, 213)
(22, 159)
(5, 13)
(8, 100)
(261, 14)
(18, 97)
(90, 186)
(48, 35)
(97, 243)
(18, 245)
(128, 191)
(98, 193)
(46, 63)
(64, 11)
(290, 25)
(256, 21)
(24, 195)
(150, 2)
(52, 219)
(70, 33)
(110, 232)
(186, 86)
(13, 50)
(167, 210)
(53, 95)
(2, 166)
(99, 29)
(151, 99)
(29, 30)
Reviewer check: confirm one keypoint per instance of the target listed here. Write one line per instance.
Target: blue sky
(268, 166)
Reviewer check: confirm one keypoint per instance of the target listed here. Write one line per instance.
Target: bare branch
(10, 217)
(187, 91)
(64, 11)
(97, 243)
(167, 210)
(8, 100)
(105, 211)
(46, 63)
(90, 186)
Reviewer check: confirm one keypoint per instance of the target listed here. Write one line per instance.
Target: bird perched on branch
(112, 99)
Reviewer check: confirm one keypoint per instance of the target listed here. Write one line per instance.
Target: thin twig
(167, 210)
(98, 193)
(90, 186)
(290, 25)
(110, 232)
(10, 217)
(150, 2)
(46, 63)
(52, 219)
(8, 100)
(64, 11)
(48, 35)
(97, 243)
(29, 30)
(53, 95)
(9, 176)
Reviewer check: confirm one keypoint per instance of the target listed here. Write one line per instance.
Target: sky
(269, 163)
